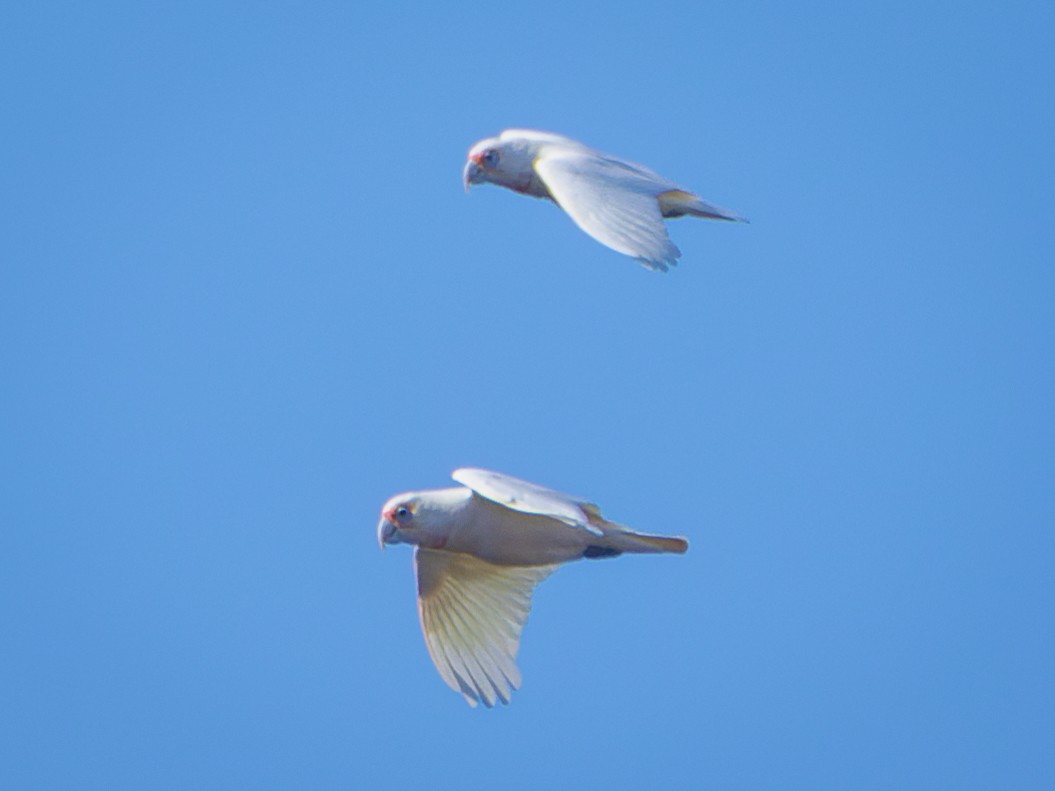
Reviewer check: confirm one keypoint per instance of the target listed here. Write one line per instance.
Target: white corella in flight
(619, 203)
(480, 550)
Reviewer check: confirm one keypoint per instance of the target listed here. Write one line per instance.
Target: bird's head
(419, 518)
(505, 162)
(397, 520)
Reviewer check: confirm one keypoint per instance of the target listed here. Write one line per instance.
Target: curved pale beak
(471, 174)
(387, 533)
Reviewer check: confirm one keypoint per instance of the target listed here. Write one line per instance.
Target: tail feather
(678, 203)
(623, 539)
(659, 543)
(620, 538)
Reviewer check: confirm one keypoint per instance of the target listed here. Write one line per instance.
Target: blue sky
(244, 300)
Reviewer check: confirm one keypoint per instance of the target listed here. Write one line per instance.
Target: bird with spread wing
(480, 550)
(619, 203)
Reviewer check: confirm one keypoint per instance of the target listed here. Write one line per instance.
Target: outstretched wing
(472, 613)
(530, 498)
(615, 202)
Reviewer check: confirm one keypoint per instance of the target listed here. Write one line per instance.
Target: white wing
(613, 201)
(530, 498)
(472, 613)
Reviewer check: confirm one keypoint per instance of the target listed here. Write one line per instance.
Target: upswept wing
(529, 498)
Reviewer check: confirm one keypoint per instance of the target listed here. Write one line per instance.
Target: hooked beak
(471, 174)
(387, 533)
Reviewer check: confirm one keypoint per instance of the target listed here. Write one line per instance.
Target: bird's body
(481, 549)
(619, 203)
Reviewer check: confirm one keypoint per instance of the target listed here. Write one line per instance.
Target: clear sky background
(244, 299)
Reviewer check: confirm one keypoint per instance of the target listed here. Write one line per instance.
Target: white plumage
(619, 203)
(480, 551)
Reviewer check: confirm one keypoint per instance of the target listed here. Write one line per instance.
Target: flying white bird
(481, 549)
(619, 203)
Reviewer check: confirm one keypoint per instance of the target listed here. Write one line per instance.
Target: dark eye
(490, 157)
(402, 512)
